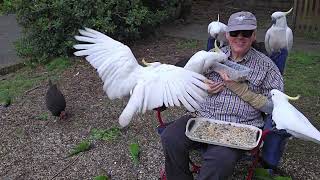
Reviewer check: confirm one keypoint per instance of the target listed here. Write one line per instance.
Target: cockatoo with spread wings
(150, 87)
(279, 35)
(289, 118)
(217, 30)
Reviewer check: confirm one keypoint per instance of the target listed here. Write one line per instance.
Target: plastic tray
(193, 124)
(235, 71)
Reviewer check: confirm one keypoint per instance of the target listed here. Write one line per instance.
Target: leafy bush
(7, 6)
(49, 25)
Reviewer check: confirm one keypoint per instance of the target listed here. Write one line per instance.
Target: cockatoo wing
(289, 118)
(289, 36)
(267, 41)
(114, 61)
(165, 85)
(151, 86)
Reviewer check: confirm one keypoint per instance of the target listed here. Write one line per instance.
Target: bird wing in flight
(114, 61)
(151, 86)
(165, 85)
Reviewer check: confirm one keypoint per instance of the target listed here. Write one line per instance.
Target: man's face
(240, 41)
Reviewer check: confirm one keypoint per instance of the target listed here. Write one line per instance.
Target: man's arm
(258, 101)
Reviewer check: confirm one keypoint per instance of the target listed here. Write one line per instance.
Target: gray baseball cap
(242, 21)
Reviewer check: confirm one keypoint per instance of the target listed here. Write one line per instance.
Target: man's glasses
(244, 33)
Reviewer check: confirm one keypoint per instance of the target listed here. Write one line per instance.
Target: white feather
(150, 87)
(289, 118)
(217, 30)
(202, 60)
(279, 35)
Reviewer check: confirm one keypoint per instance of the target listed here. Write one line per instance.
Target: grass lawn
(16, 84)
(302, 74)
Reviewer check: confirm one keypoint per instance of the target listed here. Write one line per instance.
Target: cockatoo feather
(150, 87)
(279, 35)
(287, 117)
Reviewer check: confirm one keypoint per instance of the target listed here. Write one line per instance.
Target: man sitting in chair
(227, 101)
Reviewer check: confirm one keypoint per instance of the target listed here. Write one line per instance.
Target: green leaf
(105, 134)
(83, 146)
(134, 152)
(282, 178)
(43, 117)
(261, 172)
(101, 178)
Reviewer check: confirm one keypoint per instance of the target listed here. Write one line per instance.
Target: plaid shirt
(227, 106)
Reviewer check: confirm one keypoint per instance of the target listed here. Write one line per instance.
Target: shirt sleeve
(272, 80)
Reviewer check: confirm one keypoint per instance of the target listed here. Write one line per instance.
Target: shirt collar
(227, 51)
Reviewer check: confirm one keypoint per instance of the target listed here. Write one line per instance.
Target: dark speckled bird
(55, 101)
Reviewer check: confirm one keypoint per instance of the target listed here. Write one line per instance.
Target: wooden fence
(307, 16)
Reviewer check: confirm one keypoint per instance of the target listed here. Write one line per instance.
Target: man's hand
(242, 90)
(214, 87)
(225, 77)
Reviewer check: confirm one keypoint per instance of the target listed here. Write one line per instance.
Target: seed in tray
(225, 134)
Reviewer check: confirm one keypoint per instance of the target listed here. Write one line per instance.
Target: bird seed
(226, 134)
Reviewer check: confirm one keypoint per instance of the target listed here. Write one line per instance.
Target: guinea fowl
(55, 101)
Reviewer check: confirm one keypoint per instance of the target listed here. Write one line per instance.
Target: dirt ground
(35, 149)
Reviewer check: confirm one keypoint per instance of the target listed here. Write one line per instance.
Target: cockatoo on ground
(150, 87)
(289, 118)
(279, 35)
(217, 30)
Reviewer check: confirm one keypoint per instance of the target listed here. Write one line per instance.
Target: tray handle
(259, 135)
(190, 124)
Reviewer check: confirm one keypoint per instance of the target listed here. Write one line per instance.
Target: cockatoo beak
(144, 62)
(293, 98)
(216, 48)
(288, 11)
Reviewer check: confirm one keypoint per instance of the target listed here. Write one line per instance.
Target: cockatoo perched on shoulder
(151, 86)
(279, 35)
(217, 30)
(289, 118)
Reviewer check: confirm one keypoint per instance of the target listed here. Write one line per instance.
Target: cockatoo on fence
(217, 30)
(279, 35)
(289, 118)
(150, 87)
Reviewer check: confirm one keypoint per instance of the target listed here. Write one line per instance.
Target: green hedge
(49, 25)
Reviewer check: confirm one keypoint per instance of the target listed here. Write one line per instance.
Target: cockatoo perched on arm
(202, 60)
(279, 35)
(217, 30)
(151, 86)
(289, 118)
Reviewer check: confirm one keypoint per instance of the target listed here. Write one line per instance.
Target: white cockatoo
(217, 30)
(150, 87)
(279, 35)
(202, 60)
(289, 118)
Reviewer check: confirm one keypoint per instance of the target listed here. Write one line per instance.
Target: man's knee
(226, 158)
(174, 132)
